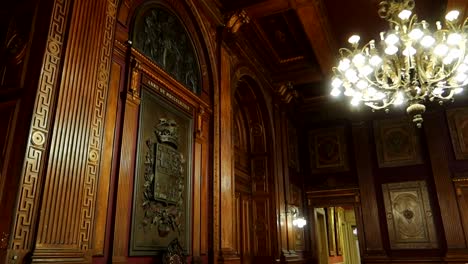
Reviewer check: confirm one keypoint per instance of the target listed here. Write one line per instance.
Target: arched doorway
(254, 181)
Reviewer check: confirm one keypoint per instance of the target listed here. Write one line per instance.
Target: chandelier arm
(377, 107)
(343, 52)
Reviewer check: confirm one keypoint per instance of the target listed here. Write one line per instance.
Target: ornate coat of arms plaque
(162, 184)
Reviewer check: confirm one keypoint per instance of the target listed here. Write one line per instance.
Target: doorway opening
(336, 235)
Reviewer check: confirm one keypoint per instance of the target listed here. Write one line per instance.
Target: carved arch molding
(252, 142)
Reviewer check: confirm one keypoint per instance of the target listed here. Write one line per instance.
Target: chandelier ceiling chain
(409, 65)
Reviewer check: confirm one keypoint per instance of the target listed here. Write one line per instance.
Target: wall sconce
(300, 222)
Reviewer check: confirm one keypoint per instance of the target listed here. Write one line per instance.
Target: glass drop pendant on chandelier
(409, 65)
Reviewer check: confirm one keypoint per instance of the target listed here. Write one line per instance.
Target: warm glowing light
(391, 50)
(416, 34)
(454, 39)
(359, 60)
(441, 49)
(392, 39)
(299, 222)
(410, 64)
(354, 39)
(335, 92)
(375, 60)
(344, 64)
(409, 51)
(404, 14)
(336, 83)
(452, 15)
(427, 41)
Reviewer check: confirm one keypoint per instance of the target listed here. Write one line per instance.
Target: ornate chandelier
(411, 64)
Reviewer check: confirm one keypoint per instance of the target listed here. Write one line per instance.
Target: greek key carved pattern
(97, 125)
(22, 236)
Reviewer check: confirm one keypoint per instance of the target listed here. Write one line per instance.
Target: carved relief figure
(162, 37)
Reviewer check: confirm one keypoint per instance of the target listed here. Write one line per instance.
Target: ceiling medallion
(410, 64)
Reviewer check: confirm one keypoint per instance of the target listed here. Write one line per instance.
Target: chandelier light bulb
(335, 92)
(452, 15)
(349, 92)
(344, 65)
(337, 82)
(366, 70)
(441, 50)
(409, 51)
(375, 60)
(351, 75)
(454, 39)
(458, 90)
(404, 14)
(463, 68)
(359, 60)
(392, 39)
(427, 41)
(391, 50)
(416, 34)
(354, 39)
(362, 84)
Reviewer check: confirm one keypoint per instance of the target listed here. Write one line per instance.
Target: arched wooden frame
(203, 40)
(180, 46)
(257, 137)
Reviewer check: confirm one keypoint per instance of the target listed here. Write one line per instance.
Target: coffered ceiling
(298, 40)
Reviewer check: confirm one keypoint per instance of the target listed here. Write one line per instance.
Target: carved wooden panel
(409, 215)
(261, 226)
(397, 143)
(68, 205)
(163, 184)
(33, 169)
(458, 124)
(328, 150)
(259, 174)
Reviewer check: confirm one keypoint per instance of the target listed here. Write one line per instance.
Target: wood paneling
(438, 154)
(125, 181)
(227, 242)
(67, 209)
(29, 194)
(102, 200)
(370, 214)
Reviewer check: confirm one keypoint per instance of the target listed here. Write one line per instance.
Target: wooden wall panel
(226, 192)
(462, 197)
(102, 198)
(67, 209)
(29, 194)
(125, 181)
(373, 244)
(261, 226)
(438, 154)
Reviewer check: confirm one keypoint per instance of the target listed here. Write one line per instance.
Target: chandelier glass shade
(410, 64)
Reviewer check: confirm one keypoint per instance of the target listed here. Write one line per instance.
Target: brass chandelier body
(411, 63)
